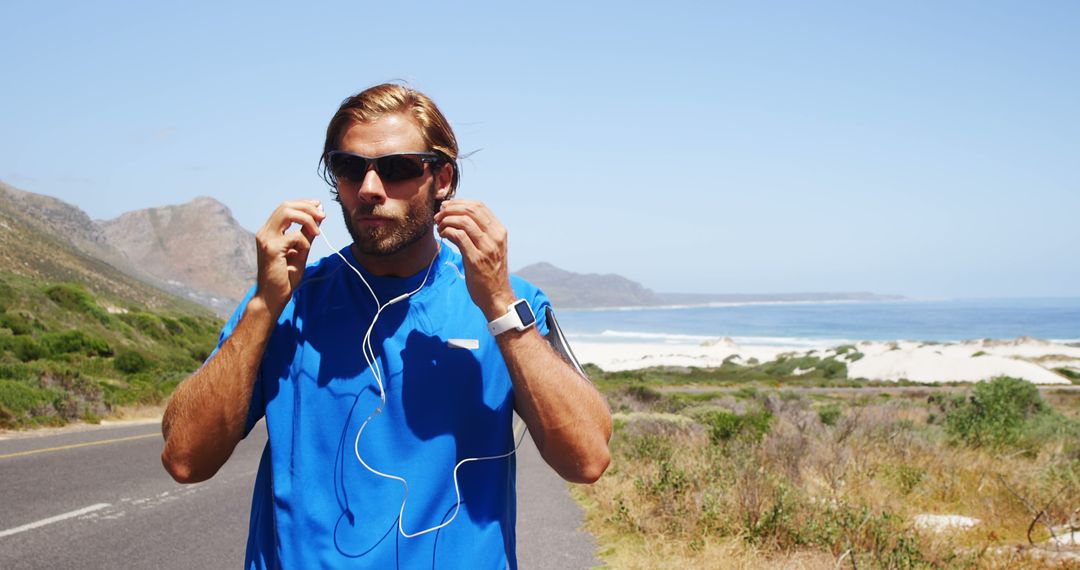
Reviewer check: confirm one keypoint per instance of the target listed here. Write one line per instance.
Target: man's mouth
(372, 220)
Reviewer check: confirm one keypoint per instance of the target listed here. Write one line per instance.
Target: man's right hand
(283, 256)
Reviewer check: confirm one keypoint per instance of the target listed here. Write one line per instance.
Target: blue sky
(919, 148)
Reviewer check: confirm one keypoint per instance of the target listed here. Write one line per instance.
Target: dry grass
(683, 493)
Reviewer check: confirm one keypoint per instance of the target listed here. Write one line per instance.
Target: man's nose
(371, 189)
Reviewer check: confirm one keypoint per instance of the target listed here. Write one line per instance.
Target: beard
(407, 229)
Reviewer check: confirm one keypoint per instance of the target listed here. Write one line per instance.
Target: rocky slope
(197, 249)
(45, 239)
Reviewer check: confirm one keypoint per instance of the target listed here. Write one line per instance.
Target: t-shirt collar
(389, 287)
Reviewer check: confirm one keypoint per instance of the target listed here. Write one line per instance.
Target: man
(376, 371)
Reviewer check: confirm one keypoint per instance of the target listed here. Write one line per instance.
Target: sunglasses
(397, 167)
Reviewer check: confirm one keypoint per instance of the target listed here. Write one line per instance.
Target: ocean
(828, 323)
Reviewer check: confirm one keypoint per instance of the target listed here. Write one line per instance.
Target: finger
(297, 241)
(287, 213)
(480, 238)
(304, 219)
(462, 240)
(472, 208)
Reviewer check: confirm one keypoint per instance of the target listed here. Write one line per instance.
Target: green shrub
(6, 293)
(998, 413)
(906, 477)
(172, 326)
(724, 425)
(21, 397)
(643, 394)
(147, 323)
(1072, 375)
(17, 323)
(832, 368)
(785, 365)
(17, 371)
(828, 414)
(73, 297)
(670, 481)
(76, 341)
(27, 349)
(131, 362)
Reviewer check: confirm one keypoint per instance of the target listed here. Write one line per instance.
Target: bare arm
(206, 415)
(566, 416)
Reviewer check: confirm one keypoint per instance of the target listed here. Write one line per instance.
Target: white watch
(519, 315)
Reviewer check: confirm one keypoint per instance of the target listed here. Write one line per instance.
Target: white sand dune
(967, 361)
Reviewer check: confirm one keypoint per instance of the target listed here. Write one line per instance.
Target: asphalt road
(98, 497)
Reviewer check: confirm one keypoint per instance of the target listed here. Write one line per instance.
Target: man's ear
(443, 180)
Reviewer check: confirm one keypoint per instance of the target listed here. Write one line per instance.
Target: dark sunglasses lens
(346, 167)
(397, 168)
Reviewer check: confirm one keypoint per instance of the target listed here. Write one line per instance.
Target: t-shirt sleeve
(537, 300)
(257, 405)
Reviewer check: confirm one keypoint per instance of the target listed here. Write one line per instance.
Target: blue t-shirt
(448, 397)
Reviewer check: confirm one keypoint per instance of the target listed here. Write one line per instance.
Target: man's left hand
(471, 226)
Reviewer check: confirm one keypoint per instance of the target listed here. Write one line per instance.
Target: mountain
(198, 250)
(48, 240)
(577, 290)
(567, 289)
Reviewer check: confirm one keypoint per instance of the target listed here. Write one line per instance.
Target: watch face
(524, 313)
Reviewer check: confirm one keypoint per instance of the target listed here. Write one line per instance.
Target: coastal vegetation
(67, 354)
(749, 476)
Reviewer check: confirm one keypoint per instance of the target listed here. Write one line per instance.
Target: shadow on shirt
(442, 392)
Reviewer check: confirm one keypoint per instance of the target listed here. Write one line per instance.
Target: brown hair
(389, 98)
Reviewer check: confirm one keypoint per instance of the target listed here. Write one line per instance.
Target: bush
(76, 341)
(21, 398)
(724, 425)
(643, 393)
(73, 297)
(148, 324)
(998, 413)
(829, 414)
(6, 293)
(172, 326)
(833, 368)
(17, 323)
(27, 349)
(131, 362)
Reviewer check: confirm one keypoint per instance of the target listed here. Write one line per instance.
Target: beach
(1035, 360)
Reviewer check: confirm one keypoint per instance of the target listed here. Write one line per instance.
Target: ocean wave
(672, 338)
(723, 304)
(690, 339)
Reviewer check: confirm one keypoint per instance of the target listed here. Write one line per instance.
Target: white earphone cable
(369, 355)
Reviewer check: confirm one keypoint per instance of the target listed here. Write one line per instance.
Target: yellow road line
(74, 445)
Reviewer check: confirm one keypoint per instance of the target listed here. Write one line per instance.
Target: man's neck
(410, 260)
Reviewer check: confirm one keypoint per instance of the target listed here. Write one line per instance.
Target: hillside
(79, 335)
(68, 354)
(48, 240)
